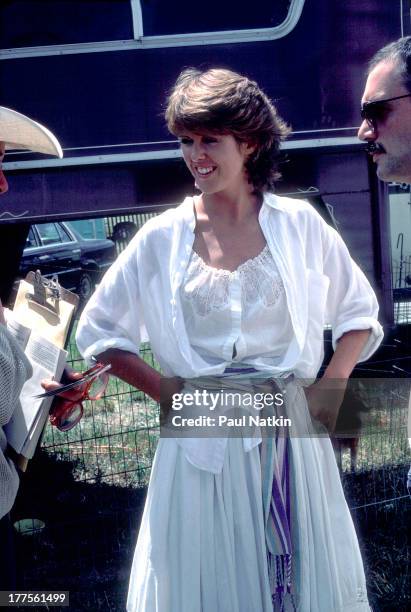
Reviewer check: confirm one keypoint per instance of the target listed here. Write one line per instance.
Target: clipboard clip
(47, 293)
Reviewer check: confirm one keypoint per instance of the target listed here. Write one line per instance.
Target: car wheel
(85, 286)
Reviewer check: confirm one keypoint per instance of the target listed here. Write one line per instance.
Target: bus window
(36, 23)
(160, 18)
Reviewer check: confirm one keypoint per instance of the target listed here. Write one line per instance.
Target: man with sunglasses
(386, 111)
(386, 114)
(16, 132)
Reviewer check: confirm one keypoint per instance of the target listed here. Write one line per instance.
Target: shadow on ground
(87, 543)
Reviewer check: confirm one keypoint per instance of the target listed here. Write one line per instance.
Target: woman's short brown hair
(219, 100)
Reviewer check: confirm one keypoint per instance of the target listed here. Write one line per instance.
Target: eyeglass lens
(98, 386)
(374, 112)
(70, 418)
(68, 413)
(377, 111)
(67, 416)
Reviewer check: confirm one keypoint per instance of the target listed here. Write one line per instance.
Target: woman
(237, 278)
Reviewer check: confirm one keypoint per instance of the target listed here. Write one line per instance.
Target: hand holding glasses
(67, 412)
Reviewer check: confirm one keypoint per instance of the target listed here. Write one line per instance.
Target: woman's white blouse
(139, 298)
(239, 316)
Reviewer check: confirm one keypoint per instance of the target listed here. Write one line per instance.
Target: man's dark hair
(399, 52)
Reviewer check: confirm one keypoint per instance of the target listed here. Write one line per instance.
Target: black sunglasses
(377, 111)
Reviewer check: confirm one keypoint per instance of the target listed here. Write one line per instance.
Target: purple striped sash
(275, 481)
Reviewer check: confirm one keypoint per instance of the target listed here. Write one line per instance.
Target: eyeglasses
(376, 111)
(66, 413)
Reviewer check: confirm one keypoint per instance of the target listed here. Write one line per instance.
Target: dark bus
(97, 73)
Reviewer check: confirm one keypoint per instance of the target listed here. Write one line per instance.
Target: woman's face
(216, 161)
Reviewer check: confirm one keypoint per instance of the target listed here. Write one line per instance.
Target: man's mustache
(374, 147)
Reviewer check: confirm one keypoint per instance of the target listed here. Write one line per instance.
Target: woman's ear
(248, 148)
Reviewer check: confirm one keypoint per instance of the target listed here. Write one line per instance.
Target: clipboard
(44, 305)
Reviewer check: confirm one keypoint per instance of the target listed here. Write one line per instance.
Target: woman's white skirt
(201, 546)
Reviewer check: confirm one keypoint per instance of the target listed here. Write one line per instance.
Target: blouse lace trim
(208, 288)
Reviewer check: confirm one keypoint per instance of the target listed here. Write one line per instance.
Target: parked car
(57, 248)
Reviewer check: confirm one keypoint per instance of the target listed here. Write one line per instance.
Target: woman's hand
(169, 387)
(69, 375)
(324, 400)
(66, 409)
(326, 395)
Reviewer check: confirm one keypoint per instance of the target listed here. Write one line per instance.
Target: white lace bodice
(241, 314)
(209, 288)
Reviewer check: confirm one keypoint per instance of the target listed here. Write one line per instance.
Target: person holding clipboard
(17, 131)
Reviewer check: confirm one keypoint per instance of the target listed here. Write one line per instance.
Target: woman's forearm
(323, 406)
(346, 354)
(133, 370)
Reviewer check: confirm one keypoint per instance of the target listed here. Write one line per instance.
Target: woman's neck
(233, 208)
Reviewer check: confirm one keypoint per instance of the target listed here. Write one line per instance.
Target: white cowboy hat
(20, 132)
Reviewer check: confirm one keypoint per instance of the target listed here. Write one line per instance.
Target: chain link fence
(87, 488)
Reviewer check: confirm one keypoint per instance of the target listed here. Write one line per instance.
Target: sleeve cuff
(359, 323)
(109, 343)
